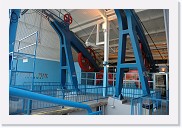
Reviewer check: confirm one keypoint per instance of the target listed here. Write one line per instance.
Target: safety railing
(88, 91)
(40, 97)
(150, 105)
(19, 105)
(130, 80)
(85, 94)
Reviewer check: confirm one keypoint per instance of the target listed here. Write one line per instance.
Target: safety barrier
(85, 94)
(150, 105)
(88, 91)
(130, 80)
(40, 97)
(20, 105)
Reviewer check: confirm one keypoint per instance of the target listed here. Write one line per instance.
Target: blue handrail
(35, 96)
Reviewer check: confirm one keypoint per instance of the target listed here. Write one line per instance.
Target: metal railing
(20, 105)
(90, 78)
(53, 89)
(40, 97)
(23, 49)
(150, 105)
(88, 91)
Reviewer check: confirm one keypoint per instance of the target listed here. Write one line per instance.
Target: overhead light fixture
(162, 69)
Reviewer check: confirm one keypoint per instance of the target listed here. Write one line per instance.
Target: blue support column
(139, 62)
(128, 26)
(66, 57)
(14, 16)
(121, 53)
(121, 59)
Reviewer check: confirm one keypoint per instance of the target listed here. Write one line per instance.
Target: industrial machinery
(129, 25)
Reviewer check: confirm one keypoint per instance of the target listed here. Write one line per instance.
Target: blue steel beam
(40, 97)
(68, 39)
(66, 57)
(122, 23)
(14, 16)
(129, 26)
(78, 46)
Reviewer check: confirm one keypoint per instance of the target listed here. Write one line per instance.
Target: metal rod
(90, 33)
(106, 51)
(166, 23)
(97, 35)
(45, 98)
(27, 46)
(24, 11)
(59, 12)
(27, 36)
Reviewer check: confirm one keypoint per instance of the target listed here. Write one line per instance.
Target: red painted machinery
(68, 18)
(84, 63)
(86, 66)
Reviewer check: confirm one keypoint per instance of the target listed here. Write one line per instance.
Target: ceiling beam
(165, 61)
(102, 13)
(152, 46)
(115, 29)
(131, 52)
(133, 58)
(131, 55)
(87, 24)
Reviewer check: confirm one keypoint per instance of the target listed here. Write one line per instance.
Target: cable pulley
(84, 63)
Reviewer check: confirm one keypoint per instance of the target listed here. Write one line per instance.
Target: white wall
(116, 107)
(48, 46)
